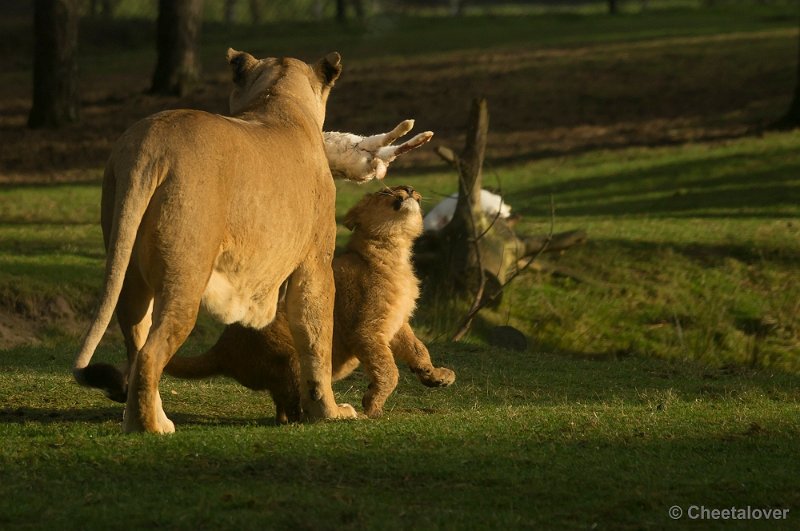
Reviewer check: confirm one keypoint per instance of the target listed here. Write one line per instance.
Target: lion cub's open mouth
(405, 198)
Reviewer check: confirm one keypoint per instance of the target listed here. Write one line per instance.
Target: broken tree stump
(476, 255)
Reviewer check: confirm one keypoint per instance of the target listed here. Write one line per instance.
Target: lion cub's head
(257, 80)
(391, 212)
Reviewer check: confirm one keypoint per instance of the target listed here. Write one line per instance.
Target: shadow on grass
(23, 415)
(704, 254)
(682, 188)
(478, 473)
(551, 377)
(102, 415)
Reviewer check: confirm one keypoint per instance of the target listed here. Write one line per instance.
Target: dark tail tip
(106, 377)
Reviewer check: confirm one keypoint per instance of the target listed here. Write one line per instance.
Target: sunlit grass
(505, 446)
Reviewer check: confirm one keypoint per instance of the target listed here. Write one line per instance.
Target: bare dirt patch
(23, 319)
(15, 330)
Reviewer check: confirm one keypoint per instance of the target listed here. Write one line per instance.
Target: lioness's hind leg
(172, 322)
(408, 348)
(309, 305)
(134, 314)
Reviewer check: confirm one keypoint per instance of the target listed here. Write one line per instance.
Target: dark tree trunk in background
(177, 40)
(612, 7)
(317, 9)
(255, 11)
(358, 6)
(457, 7)
(341, 10)
(55, 67)
(229, 11)
(792, 117)
(104, 8)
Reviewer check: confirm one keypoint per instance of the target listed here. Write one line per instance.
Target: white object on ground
(440, 215)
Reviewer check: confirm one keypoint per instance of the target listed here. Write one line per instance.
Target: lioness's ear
(329, 67)
(240, 63)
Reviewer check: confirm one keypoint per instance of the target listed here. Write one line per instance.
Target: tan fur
(376, 291)
(200, 208)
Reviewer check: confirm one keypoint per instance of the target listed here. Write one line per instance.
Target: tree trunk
(55, 67)
(457, 7)
(792, 117)
(317, 9)
(255, 11)
(341, 10)
(358, 7)
(229, 12)
(178, 34)
(475, 254)
(472, 250)
(612, 7)
(107, 9)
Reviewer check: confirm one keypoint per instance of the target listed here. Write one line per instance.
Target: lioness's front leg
(408, 348)
(309, 306)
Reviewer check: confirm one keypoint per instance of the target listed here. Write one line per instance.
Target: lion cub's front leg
(408, 348)
(383, 374)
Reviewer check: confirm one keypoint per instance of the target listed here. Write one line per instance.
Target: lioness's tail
(130, 203)
(202, 366)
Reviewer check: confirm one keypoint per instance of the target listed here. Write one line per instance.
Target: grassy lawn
(521, 440)
(664, 366)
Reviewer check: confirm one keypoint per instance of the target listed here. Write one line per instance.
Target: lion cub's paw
(374, 413)
(372, 409)
(438, 377)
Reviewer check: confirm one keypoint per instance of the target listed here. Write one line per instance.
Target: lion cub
(376, 293)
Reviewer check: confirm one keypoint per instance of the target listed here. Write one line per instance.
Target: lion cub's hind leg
(408, 348)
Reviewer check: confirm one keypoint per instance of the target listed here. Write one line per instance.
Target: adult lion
(201, 208)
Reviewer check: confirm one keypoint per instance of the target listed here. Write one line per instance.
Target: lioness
(201, 208)
(376, 292)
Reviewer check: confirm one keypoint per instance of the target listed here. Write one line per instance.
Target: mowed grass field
(665, 352)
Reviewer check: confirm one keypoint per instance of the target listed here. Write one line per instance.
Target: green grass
(520, 440)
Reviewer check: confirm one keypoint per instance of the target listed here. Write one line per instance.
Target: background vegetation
(664, 352)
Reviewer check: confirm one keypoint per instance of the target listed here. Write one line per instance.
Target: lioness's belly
(233, 301)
